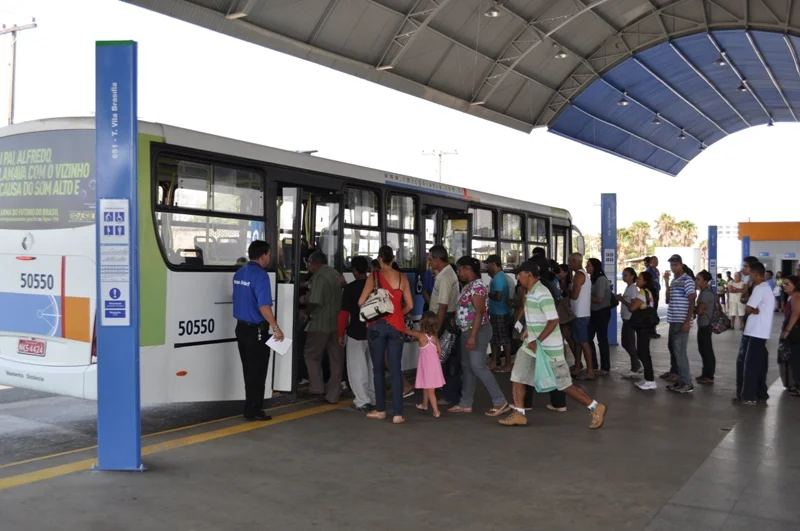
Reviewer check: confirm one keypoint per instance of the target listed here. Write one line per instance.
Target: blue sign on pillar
(118, 422)
(712, 256)
(745, 247)
(608, 227)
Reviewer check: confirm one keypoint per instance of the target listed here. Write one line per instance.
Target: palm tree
(687, 233)
(666, 229)
(640, 233)
(625, 249)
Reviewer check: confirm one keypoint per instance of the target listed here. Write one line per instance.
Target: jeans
(451, 368)
(678, 351)
(706, 348)
(385, 339)
(643, 352)
(598, 325)
(473, 363)
(629, 344)
(751, 369)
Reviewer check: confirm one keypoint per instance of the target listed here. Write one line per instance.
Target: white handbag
(378, 304)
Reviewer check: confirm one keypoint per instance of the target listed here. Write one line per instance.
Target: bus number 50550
(196, 327)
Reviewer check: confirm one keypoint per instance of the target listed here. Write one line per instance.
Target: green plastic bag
(544, 380)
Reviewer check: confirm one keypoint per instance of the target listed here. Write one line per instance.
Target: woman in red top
(385, 335)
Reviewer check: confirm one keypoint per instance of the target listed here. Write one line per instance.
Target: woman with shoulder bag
(386, 333)
(790, 332)
(472, 317)
(643, 300)
(628, 334)
(600, 315)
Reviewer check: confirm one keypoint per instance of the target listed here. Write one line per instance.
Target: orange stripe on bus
(76, 327)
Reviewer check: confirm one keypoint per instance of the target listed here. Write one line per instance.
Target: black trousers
(598, 326)
(643, 337)
(254, 354)
(706, 348)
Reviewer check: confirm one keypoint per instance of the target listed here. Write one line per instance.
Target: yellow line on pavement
(156, 434)
(69, 468)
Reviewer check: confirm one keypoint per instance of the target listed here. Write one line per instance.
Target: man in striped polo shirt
(681, 296)
(541, 320)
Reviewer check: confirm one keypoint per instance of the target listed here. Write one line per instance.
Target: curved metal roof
(558, 63)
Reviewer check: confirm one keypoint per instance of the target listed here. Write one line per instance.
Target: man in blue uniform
(252, 309)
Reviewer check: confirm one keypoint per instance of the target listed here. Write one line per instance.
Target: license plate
(31, 347)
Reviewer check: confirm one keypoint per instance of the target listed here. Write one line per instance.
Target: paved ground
(662, 462)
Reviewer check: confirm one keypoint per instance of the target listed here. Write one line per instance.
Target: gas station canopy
(652, 81)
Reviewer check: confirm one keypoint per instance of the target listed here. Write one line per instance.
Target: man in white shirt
(752, 363)
(444, 302)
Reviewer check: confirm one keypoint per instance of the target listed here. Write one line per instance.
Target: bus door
(287, 262)
(456, 234)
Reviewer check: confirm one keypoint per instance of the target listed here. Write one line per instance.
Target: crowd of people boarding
(525, 330)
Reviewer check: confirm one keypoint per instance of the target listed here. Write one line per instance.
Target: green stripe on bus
(152, 270)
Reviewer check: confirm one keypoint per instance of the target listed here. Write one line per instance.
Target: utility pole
(13, 30)
(440, 154)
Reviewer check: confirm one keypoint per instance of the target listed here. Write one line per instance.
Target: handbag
(784, 352)
(564, 309)
(644, 318)
(378, 304)
(409, 326)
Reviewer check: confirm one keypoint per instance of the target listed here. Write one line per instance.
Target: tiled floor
(662, 462)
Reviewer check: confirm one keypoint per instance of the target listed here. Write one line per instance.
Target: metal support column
(608, 208)
(116, 127)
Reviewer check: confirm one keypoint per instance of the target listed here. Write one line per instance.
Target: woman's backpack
(719, 321)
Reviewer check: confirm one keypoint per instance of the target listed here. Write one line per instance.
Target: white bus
(202, 199)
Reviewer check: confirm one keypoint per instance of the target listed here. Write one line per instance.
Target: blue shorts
(580, 329)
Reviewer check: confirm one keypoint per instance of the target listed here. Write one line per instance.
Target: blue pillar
(118, 423)
(745, 247)
(608, 227)
(712, 256)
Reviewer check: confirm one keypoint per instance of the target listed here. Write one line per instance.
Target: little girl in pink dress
(429, 368)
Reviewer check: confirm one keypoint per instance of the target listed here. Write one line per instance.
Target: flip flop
(497, 411)
(419, 406)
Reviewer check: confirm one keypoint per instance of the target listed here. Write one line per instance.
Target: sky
(194, 78)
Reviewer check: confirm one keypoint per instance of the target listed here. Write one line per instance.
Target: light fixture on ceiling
(702, 146)
(771, 122)
(720, 61)
(682, 136)
(479, 102)
(492, 12)
(623, 102)
(743, 86)
(383, 68)
(560, 53)
(656, 120)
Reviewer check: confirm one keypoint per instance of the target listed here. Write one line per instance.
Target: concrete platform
(661, 462)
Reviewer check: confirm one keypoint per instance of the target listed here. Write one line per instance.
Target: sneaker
(682, 389)
(666, 376)
(630, 375)
(258, 417)
(361, 409)
(644, 385)
(705, 381)
(551, 407)
(598, 417)
(749, 403)
(673, 378)
(514, 419)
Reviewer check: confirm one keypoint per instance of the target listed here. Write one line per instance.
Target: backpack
(720, 322)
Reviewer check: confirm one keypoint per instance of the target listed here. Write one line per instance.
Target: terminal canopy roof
(652, 81)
